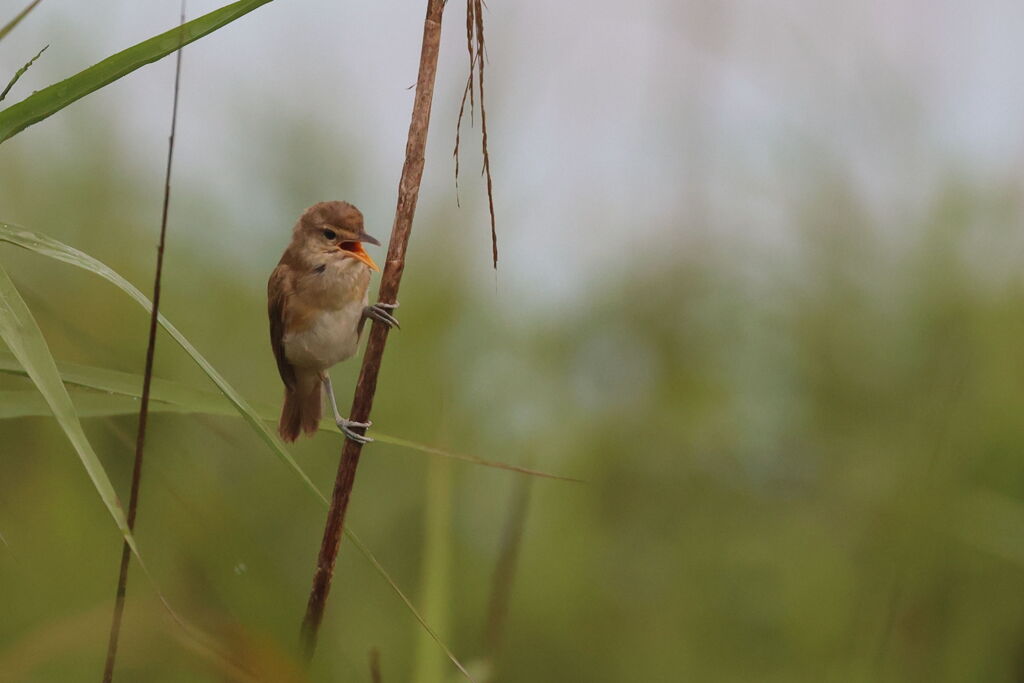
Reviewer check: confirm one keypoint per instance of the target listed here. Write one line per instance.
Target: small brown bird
(317, 301)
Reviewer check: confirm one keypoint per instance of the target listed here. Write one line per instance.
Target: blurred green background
(759, 288)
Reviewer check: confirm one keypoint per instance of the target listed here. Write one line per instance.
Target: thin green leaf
(191, 400)
(28, 403)
(184, 398)
(9, 26)
(18, 74)
(52, 99)
(476, 460)
(46, 246)
(21, 333)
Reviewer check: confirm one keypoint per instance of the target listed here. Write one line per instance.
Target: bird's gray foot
(382, 313)
(345, 425)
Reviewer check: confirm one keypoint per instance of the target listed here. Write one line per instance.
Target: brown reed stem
(477, 56)
(375, 674)
(481, 59)
(140, 439)
(408, 193)
(505, 572)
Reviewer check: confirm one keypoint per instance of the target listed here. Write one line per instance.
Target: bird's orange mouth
(355, 249)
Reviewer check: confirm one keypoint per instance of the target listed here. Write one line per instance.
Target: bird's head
(334, 229)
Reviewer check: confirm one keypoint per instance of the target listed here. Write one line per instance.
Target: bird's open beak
(363, 237)
(355, 248)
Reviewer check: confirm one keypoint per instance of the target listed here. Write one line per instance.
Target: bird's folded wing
(279, 290)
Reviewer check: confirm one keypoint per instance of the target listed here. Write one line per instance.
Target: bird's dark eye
(330, 234)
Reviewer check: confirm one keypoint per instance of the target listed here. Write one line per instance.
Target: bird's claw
(381, 313)
(346, 428)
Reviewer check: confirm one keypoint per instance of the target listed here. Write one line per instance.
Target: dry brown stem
(366, 386)
(477, 54)
(140, 439)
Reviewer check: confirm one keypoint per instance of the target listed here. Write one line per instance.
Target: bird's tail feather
(303, 406)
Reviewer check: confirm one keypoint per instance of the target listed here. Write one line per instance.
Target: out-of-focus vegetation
(801, 460)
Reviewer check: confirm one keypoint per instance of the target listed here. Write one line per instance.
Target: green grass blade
(62, 252)
(9, 26)
(47, 246)
(476, 460)
(128, 384)
(52, 99)
(124, 388)
(21, 333)
(187, 399)
(29, 403)
(19, 73)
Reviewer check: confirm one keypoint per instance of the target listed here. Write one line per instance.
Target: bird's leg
(344, 424)
(380, 313)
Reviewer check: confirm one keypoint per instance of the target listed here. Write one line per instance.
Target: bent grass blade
(22, 335)
(46, 246)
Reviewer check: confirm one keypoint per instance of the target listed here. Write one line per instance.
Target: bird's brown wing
(279, 290)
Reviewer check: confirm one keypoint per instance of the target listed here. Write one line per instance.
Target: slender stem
(408, 193)
(9, 26)
(505, 572)
(140, 439)
(375, 674)
(481, 59)
(19, 73)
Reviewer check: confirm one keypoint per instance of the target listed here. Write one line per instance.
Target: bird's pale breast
(330, 333)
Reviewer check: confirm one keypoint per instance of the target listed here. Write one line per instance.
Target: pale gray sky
(653, 121)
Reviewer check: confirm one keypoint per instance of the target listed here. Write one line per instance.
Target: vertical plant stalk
(140, 439)
(505, 572)
(408, 193)
(375, 674)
